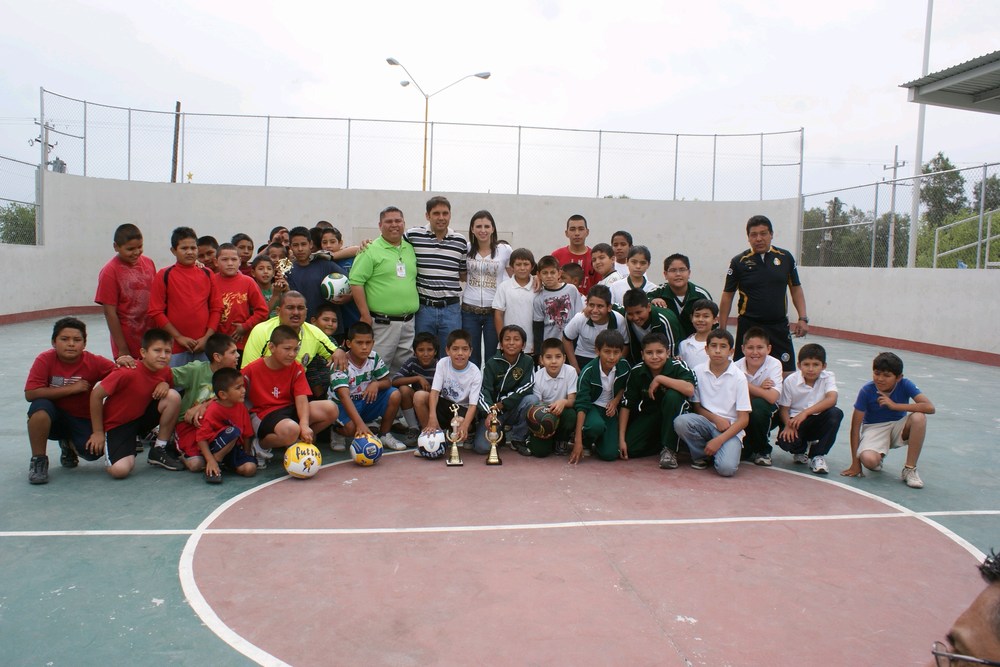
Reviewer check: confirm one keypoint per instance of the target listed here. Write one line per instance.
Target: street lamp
(427, 100)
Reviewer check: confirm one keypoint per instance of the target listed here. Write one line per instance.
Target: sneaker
(38, 470)
(521, 447)
(411, 436)
(699, 464)
(818, 465)
(262, 455)
(389, 441)
(339, 444)
(762, 460)
(562, 447)
(878, 468)
(912, 479)
(668, 459)
(69, 457)
(468, 443)
(800, 458)
(159, 456)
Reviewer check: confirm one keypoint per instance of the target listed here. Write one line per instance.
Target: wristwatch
(804, 319)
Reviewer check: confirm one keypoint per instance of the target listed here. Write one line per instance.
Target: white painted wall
(80, 215)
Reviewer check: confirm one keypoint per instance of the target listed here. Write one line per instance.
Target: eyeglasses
(942, 658)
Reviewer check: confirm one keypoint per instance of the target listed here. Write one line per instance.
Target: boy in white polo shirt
(720, 409)
(763, 373)
(555, 386)
(808, 409)
(514, 300)
(582, 329)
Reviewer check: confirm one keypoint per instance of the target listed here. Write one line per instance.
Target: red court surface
(539, 562)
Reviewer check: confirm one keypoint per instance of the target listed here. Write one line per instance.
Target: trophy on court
(454, 458)
(494, 436)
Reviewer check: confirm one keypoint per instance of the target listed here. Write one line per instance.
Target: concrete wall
(945, 307)
(80, 215)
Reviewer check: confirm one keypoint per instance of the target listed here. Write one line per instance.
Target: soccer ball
(302, 460)
(431, 445)
(334, 286)
(366, 449)
(541, 422)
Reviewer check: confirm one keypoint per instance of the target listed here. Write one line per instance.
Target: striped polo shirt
(439, 262)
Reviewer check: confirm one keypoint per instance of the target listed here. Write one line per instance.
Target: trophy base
(459, 462)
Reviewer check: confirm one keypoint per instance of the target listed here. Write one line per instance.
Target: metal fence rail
(869, 225)
(135, 144)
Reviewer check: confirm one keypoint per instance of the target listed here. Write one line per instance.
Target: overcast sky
(712, 66)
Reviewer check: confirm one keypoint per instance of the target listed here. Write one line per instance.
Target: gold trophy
(283, 267)
(494, 436)
(454, 458)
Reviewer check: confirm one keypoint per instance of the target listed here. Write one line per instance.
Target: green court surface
(90, 565)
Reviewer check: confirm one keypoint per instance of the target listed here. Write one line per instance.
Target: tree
(943, 194)
(992, 194)
(17, 224)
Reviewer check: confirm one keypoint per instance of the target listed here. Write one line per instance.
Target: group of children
(627, 368)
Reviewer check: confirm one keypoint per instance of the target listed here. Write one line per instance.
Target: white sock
(160, 443)
(411, 418)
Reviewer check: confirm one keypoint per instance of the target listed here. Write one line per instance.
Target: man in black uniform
(762, 275)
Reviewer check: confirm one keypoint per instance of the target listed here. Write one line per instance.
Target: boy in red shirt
(278, 395)
(224, 433)
(243, 305)
(184, 300)
(137, 400)
(58, 387)
(577, 252)
(123, 288)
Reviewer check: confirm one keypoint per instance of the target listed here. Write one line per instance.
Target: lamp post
(427, 101)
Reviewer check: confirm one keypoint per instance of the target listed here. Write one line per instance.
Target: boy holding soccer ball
(554, 387)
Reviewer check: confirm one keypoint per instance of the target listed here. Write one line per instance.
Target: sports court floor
(533, 562)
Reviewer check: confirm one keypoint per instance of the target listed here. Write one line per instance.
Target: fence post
(267, 148)
(430, 165)
(874, 228)
(677, 146)
(982, 209)
(348, 184)
(40, 172)
(761, 176)
(934, 262)
(129, 161)
(715, 141)
(600, 139)
(517, 184)
(85, 137)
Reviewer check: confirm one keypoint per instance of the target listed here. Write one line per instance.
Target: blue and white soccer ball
(366, 449)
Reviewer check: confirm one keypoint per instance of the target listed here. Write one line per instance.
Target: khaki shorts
(883, 437)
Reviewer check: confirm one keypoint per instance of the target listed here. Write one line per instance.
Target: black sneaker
(668, 459)
(159, 456)
(69, 457)
(520, 447)
(142, 443)
(38, 470)
(562, 448)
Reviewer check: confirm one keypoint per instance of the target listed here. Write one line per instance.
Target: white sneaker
(338, 443)
(389, 441)
(800, 458)
(912, 479)
(818, 465)
(263, 455)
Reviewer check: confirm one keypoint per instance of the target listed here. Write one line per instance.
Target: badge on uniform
(400, 269)
(777, 262)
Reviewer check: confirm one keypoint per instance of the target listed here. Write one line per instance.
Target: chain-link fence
(115, 142)
(957, 213)
(18, 211)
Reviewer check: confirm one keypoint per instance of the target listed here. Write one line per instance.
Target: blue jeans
(438, 321)
(696, 431)
(484, 335)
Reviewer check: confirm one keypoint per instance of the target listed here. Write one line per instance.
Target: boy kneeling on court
(880, 421)
(808, 410)
(457, 382)
(278, 395)
(599, 390)
(364, 390)
(224, 431)
(554, 386)
(720, 409)
(657, 391)
(131, 401)
(507, 380)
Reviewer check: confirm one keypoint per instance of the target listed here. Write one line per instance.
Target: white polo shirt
(770, 369)
(548, 389)
(517, 303)
(619, 288)
(693, 352)
(585, 331)
(798, 396)
(725, 395)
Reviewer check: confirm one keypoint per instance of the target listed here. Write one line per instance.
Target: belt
(392, 318)
(439, 303)
(477, 310)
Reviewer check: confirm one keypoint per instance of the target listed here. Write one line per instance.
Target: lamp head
(404, 83)
(483, 75)
(392, 61)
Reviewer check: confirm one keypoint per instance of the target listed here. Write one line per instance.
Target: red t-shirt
(127, 287)
(218, 417)
(590, 277)
(242, 302)
(268, 390)
(187, 298)
(130, 391)
(49, 371)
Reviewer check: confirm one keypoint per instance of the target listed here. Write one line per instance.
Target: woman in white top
(487, 268)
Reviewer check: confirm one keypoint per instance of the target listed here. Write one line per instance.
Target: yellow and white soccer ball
(302, 460)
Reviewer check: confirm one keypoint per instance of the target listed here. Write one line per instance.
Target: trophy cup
(454, 458)
(283, 267)
(494, 436)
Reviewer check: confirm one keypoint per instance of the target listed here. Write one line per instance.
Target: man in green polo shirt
(384, 287)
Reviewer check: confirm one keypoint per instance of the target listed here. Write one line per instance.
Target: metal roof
(973, 85)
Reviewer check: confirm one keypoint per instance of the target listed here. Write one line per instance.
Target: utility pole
(896, 164)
